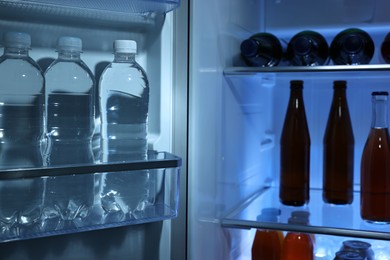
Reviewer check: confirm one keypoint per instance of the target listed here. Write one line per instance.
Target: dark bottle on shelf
(375, 165)
(261, 50)
(351, 47)
(385, 49)
(295, 151)
(307, 48)
(338, 150)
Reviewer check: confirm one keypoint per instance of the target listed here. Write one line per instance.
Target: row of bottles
(48, 119)
(338, 156)
(351, 46)
(275, 245)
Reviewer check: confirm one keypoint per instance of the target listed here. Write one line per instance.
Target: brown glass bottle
(338, 150)
(295, 151)
(267, 244)
(297, 245)
(375, 165)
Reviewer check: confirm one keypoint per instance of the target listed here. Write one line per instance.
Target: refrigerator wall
(236, 118)
(159, 33)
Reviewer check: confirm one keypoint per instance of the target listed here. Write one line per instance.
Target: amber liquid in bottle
(375, 165)
(296, 245)
(295, 151)
(338, 150)
(267, 244)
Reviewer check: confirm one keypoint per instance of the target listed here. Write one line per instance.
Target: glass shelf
(161, 200)
(338, 220)
(120, 6)
(234, 71)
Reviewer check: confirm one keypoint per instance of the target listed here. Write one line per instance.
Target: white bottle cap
(125, 46)
(17, 39)
(69, 43)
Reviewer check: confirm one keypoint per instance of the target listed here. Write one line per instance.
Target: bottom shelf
(339, 220)
(62, 201)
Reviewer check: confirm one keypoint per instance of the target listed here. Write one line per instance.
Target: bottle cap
(125, 46)
(249, 48)
(303, 45)
(69, 43)
(269, 215)
(356, 244)
(17, 39)
(296, 84)
(352, 43)
(348, 255)
(340, 84)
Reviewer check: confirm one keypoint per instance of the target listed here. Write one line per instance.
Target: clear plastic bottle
(351, 47)
(261, 50)
(375, 165)
(124, 101)
(21, 124)
(308, 48)
(70, 93)
(338, 150)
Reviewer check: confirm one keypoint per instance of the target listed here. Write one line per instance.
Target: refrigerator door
(236, 117)
(161, 35)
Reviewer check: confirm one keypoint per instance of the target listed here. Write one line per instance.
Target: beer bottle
(295, 151)
(352, 46)
(338, 150)
(261, 50)
(307, 48)
(375, 165)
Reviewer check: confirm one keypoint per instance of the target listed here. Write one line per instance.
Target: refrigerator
(214, 124)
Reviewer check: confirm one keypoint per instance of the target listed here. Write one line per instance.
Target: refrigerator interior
(237, 113)
(152, 24)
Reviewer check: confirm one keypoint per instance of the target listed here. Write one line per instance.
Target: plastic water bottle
(21, 131)
(124, 98)
(70, 92)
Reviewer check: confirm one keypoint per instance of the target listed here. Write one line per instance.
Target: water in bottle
(21, 131)
(338, 150)
(70, 92)
(352, 46)
(261, 50)
(307, 48)
(375, 165)
(124, 99)
(295, 151)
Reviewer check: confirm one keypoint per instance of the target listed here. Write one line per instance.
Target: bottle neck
(296, 98)
(379, 109)
(22, 52)
(124, 57)
(69, 55)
